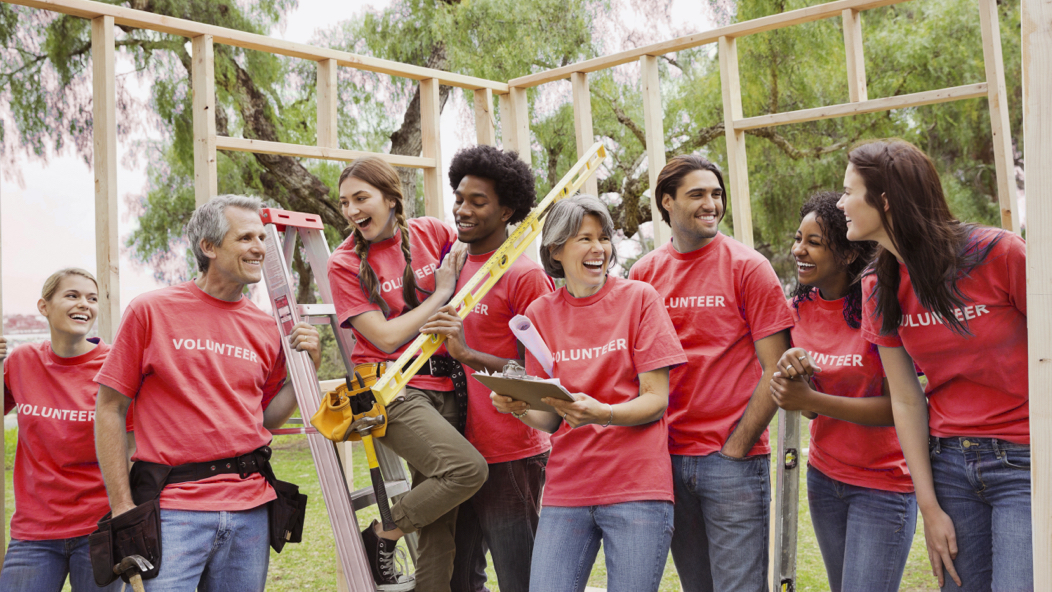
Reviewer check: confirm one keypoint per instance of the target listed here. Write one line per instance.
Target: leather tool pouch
(286, 514)
(334, 415)
(136, 532)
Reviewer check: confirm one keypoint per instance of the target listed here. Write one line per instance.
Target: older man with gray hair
(207, 373)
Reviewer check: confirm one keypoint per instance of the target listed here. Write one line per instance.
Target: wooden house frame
(515, 127)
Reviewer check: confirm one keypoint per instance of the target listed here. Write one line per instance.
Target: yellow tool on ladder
(398, 375)
(342, 414)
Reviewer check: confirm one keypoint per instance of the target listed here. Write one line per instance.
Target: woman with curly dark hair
(950, 297)
(860, 493)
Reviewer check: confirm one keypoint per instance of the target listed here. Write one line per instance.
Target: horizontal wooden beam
(767, 23)
(139, 19)
(943, 95)
(264, 147)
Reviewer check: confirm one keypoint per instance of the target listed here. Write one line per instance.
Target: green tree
(909, 48)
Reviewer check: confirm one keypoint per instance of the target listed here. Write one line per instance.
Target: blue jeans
(865, 534)
(635, 538)
(723, 512)
(213, 551)
(502, 516)
(984, 486)
(42, 566)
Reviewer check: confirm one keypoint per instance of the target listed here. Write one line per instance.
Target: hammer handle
(378, 483)
(136, 582)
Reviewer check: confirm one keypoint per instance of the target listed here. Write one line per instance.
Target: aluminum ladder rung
(366, 496)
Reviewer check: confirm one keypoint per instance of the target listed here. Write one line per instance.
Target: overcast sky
(48, 221)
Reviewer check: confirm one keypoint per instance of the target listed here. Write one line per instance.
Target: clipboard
(526, 388)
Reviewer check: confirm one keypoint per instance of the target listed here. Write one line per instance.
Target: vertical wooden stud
(737, 164)
(653, 120)
(484, 120)
(515, 132)
(856, 58)
(104, 132)
(1037, 129)
(430, 115)
(204, 83)
(515, 123)
(582, 123)
(328, 134)
(1001, 132)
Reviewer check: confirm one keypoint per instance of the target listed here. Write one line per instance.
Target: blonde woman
(59, 494)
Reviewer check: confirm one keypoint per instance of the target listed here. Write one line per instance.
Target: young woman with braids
(860, 493)
(952, 298)
(387, 279)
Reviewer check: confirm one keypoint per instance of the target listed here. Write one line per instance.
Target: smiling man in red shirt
(493, 189)
(207, 373)
(729, 310)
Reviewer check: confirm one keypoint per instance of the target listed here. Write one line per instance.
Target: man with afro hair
(493, 189)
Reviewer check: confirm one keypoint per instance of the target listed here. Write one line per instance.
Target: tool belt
(138, 531)
(336, 412)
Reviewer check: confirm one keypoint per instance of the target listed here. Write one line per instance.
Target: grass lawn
(311, 565)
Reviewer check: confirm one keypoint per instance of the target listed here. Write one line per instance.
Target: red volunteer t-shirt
(866, 456)
(429, 240)
(722, 298)
(601, 344)
(201, 370)
(59, 492)
(977, 385)
(499, 437)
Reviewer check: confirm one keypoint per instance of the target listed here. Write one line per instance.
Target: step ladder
(341, 500)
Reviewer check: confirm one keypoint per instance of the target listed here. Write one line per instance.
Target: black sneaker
(381, 555)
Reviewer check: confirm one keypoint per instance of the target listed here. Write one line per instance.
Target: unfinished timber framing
(1037, 129)
(515, 132)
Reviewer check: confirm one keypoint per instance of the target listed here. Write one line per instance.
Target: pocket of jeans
(1016, 458)
(732, 459)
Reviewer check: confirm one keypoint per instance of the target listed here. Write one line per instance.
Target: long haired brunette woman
(387, 279)
(59, 493)
(609, 475)
(859, 490)
(952, 298)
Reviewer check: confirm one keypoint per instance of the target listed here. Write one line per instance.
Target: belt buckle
(245, 462)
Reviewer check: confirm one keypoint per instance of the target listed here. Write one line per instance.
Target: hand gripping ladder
(787, 499)
(341, 503)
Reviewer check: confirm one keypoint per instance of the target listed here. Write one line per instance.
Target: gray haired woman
(609, 478)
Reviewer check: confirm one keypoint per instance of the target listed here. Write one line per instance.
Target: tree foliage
(909, 48)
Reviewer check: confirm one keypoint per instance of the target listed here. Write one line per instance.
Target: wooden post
(204, 83)
(1001, 132)
(1037, 129)
(515, 132)
(328, 134)
(484, 120)
(653, 121)
(582, 124)
(737, 164)
(856, 58)
(104, 132)
(515, 123)
(430, 115)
